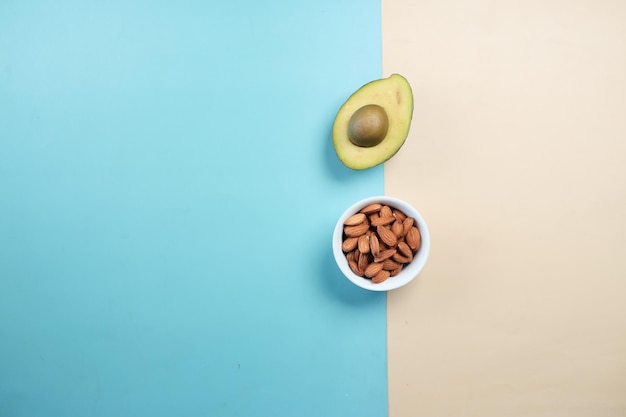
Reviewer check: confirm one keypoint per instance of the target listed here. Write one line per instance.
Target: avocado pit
(368, 126)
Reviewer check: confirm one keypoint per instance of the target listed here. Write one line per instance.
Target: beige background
(517, 159)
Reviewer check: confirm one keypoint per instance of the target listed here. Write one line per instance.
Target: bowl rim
(410, 272)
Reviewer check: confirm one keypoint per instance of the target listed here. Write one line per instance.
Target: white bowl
(409, 272)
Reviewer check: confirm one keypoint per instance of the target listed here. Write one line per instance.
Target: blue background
(168, 191)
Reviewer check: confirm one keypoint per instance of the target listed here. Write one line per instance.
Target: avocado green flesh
(393, 94)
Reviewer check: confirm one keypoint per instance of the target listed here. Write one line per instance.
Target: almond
(381, 277)
(413, 238)
(354, 267)
(355, 219)
(390, 265)
(355, 255)
(373, 217)
(363, 261)
(364, 243)
(398, 215)
(350, 257)
(405, 250)
(386, 254)
(383, 221)
(398, 257)
(373, 269)
(349, 244)
(374, 245)
(396, 271)
(397, 229)
(407, 224)
(372, 208)
(385, 211)
(386, 235)
(356, 231)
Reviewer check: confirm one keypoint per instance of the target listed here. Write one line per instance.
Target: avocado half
(373, 124)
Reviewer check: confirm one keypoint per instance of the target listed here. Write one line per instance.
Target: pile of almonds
(379, 241)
